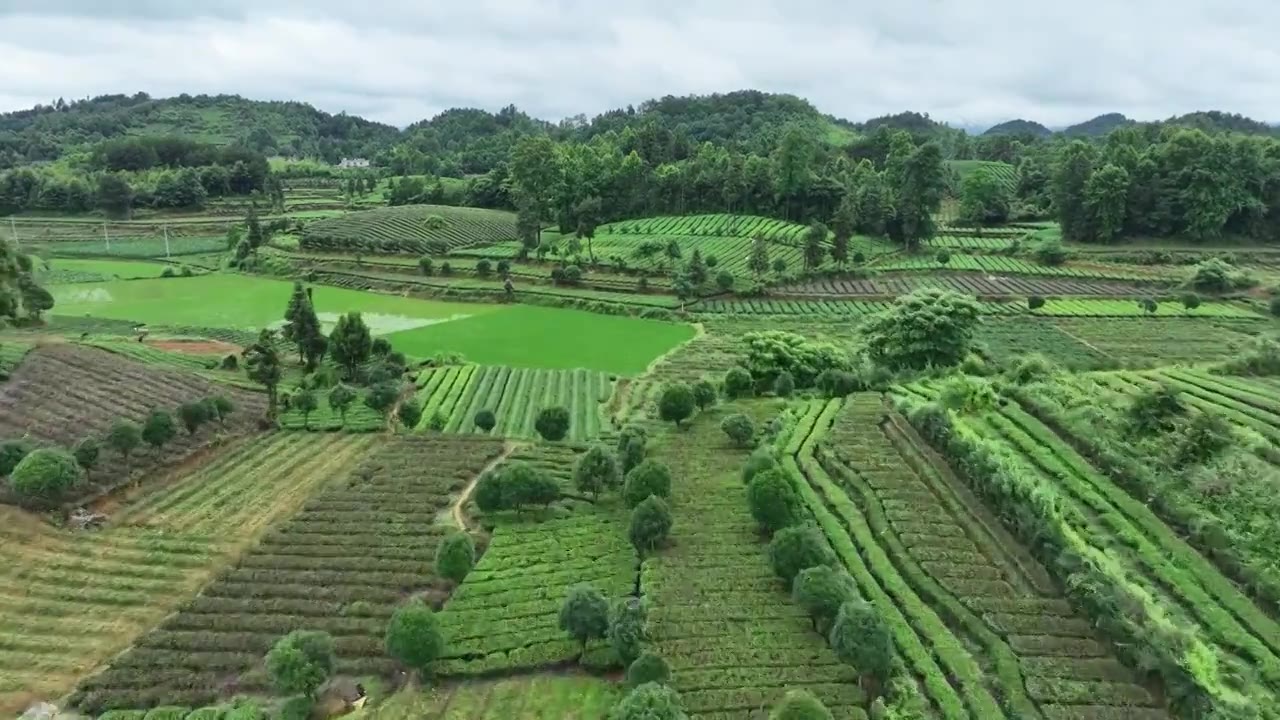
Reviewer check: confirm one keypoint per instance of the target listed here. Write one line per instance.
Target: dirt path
(459, 518)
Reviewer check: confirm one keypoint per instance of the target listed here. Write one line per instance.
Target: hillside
(1098, 126)
(1217, 121)
(272, 127)
(1019, 127)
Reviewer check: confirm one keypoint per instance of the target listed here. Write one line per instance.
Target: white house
(354, 163)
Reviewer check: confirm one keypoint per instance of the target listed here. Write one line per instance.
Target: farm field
(551, 338)
(62, 393)
(340, 564)
(1080, 307)
(973, 284)
(514, 395)
(249, 303)
(409, 229)
(534, 697)
(132, 247)
(997, 264)
(58, 271)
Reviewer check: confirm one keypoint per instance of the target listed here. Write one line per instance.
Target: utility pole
(13, 229)
(106, 237)
(166, 242)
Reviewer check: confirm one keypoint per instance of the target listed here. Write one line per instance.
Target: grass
(535, 697)
(553, 338)
(244, 302)
(74, 270)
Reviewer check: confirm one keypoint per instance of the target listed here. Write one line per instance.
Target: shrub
(425, 265)
(740, 429)
(584, 614)
(773, 501)
(572, 275)
(167, 272)
(860, 638)
(445, 268)
(301, 661)
(927, 328)
(650, 525)
(484, 268)
(1190, 301)
(413, 636)
(704, 394)
(800, 705)
(631, 446)
(212, 712)
(626, 628)
(837, 383)
(1261, 357)
(738, 383)
(648, 478)
(648, 668)
(489, 492)
(784, 385)
(11, 453)
(943, 257)
(1032, 368)
(455, 556)
(724, 280)
(552, 423)
(296, 708)
(504, 267)
(485, 420)
(677, 403)
(797, 548)
(1218, 276)
(650, 701)
(595, 471)
(1049, 252)
(45, 474)
(759, 461)
(1275, 306)
(1035, 302)
(821, 591)
(858, 258)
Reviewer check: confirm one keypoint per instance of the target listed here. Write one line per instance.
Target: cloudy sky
(398, 61)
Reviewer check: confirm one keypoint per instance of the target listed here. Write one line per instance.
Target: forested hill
(46, 132)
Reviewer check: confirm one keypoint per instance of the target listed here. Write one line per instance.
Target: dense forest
(1202, 175)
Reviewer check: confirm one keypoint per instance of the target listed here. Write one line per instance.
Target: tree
(821, 591)
(650, 525)
(413, 636)
(704, 394)
(796, 548)
(651, 701)
(779, 266)
(740, 429)
(455, 556)
(927, 328)
(648, 478)
(649, 667)
(626, 628)
(595, 471)
(115, 195)
(984, 199)
(773, 501)
(86, 454)
(552, 423)
(535, 175)
(45, 474)
(382, 397)
(861, 639)
(340, 398)
(759, 260)
(262, 365)
(676, 403)
(301, 323)
(584, 614)
(814, 250)
(490, 491)
(410, 413)
(696, 270)
(632, 442)
(837, 383)
(1105, 195)
(1035, 302)
(784, 385)
(724, 281)
(1190, 301)
(917, 196)
(193, 415)
(1070, 176)
(124, 437)
(738, 383)
(301, 661)
(800, 705)
(350, 343)
(158, 429)
(485, 420)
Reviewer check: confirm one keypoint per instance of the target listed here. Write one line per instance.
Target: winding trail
(455, 511)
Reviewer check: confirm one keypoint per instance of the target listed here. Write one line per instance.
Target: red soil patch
(196, 347)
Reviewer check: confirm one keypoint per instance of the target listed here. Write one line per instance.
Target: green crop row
(412, 229)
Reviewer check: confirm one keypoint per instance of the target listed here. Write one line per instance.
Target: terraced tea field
(537, 697)
(515, 396)
(411, 229)
(341, 564)
(982, 286)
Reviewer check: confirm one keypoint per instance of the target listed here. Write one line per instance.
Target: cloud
(399, 61)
